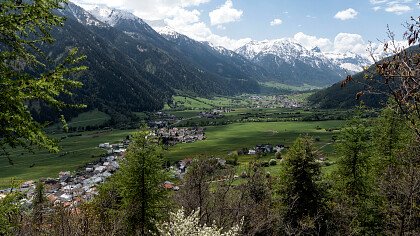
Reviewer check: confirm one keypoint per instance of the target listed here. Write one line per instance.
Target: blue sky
(330, 23)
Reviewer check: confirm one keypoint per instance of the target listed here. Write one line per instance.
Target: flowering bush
(181, 224)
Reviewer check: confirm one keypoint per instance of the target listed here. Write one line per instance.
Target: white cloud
(179, 15)
(378, 1)
(344, 42)
(276, 22)
(225, 14)
(310, 42)
(398, 8)
(347, 14)
(393, 6)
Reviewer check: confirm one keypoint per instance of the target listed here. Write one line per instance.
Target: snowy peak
(82, 16)
(349, 61)
(169, 32)
(286, 51)
(278, 47)
(113, 16)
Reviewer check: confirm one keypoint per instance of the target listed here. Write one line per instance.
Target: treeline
(373, 189)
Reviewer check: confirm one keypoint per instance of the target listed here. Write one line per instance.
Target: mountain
(349, 61)
(131, 66)
(219, 60)
(290, 63)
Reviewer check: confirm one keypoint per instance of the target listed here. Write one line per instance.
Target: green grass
(80, 150)
(221, 140)
(90, 118)
(277, 85)
(198, 103)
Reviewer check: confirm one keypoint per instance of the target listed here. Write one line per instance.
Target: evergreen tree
(26, 74)
(301, 197)
(356, 202)
(139, 182)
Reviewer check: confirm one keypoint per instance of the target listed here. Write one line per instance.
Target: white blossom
(181, 224)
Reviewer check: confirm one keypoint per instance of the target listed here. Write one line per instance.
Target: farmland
(242, 127)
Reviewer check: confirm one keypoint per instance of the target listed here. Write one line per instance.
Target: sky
(332, 25)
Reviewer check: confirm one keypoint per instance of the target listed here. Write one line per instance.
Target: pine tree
(301, 197)
(26, 74)
(139, 182)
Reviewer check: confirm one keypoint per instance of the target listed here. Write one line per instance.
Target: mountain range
(134, 68)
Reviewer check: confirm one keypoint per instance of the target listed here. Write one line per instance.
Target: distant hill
(338, 97)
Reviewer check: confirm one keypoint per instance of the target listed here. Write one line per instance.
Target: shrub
(272, 162)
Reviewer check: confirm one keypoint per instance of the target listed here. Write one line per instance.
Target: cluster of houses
(172, 136)
(261, 149)
(210, 114)
(161, 120)
(278, 101)
(70, 190)
(287, 102)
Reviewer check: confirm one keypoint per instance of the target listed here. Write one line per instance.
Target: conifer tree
(139, 182)
(27, 74)
(301, 197)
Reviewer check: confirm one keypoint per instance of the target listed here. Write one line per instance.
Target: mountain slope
(132, 67)
(337, 97)
(219, 60)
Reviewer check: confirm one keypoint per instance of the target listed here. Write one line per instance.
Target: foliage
(25, 72)
(181, 224)
(138, 185)
(356, 202)
(301, 197)
(10, 213)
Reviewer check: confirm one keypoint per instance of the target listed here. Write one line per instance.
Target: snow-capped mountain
(349, 61)
(113, 16)
(216, 59)
(290, 62)
(82, 16)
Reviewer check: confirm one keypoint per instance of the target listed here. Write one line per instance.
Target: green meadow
(221, 140)
(75, 152)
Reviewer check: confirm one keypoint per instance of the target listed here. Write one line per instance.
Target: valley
(241, 122)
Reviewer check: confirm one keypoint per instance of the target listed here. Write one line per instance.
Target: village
(278, 101)
(72, 189)
(172, 136)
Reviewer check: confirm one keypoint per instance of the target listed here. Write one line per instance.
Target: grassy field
(221, 140)
(189, 103)
(76, 151)
(89, 118)
(277, 85)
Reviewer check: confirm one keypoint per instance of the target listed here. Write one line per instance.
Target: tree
(139, 184)
(300, 195)
(356, 202)
(398, 170)
(26, 73)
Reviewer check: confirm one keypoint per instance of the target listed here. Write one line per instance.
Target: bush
(272, 162)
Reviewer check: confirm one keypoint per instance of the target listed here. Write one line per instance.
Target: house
(252, 152)
(168, 185)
